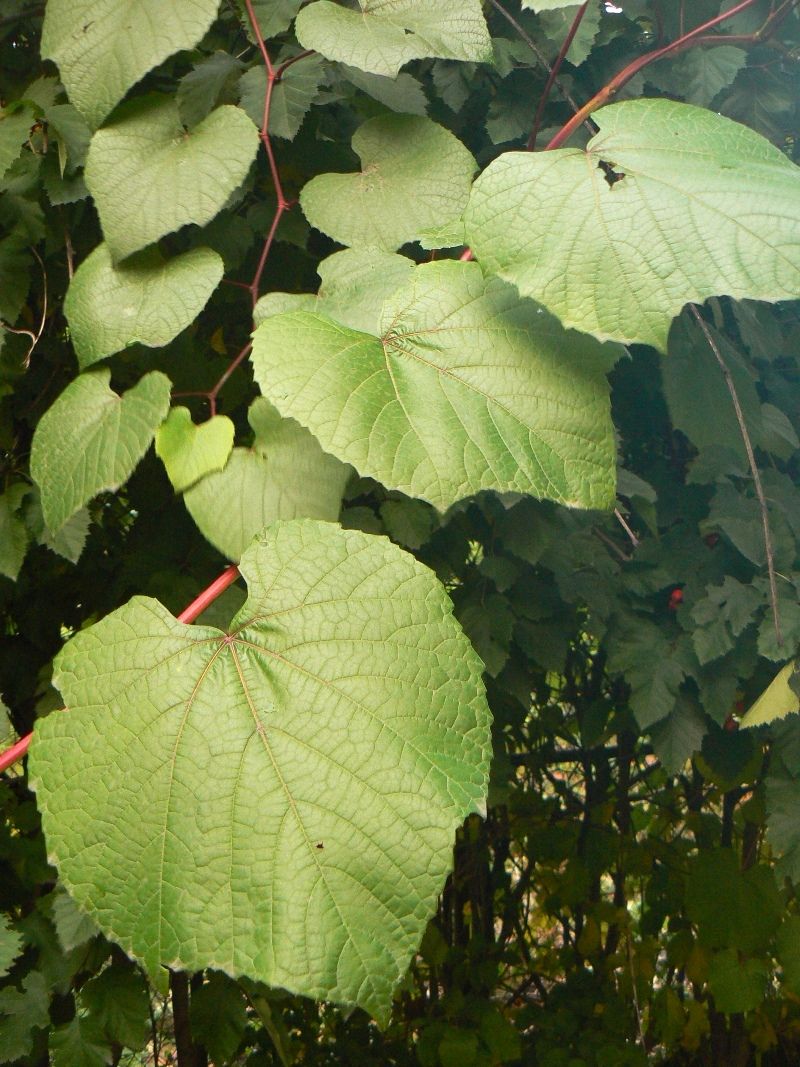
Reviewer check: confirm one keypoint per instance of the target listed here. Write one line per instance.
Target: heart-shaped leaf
(91, 439)
(189, 452)
(285, 475)
(278, 801)
(102, 49)
(468, 387)
(354, 285)
(146, 299)
(149, 176)
(415, 174)
(668, 204)
(383, 35)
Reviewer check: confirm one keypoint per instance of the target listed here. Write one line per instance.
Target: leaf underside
(278, 801)
(466, 388)
(668, 204)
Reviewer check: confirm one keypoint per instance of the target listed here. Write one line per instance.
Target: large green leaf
(354, 284)
(668, 204)
(103, 47)
(146, 299)
(415, 174)
(467, 387)
(150, 176)
(91, 439)
(383, 35)
(278, 801)
(285, 475)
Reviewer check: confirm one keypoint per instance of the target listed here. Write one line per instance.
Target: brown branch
(529, 41)
(562, 55)
(611, 88)
(751, 459)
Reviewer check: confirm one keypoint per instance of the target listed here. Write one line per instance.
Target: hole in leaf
(611, 176)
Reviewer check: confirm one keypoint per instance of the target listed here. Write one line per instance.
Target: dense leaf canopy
(465, 335)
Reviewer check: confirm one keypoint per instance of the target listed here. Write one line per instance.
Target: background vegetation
(631, 897)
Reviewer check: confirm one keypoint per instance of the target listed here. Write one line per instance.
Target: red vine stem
(274, 75)
(197, 607)
(699, 35)
(554, 70)
(611, 88)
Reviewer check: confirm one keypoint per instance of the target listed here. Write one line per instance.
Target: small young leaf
(285, 475)
(190, 452)
(150, 176)
(291, 98)
(278, 801)
(384, 35)
(415, 174)
(103, 49)
(146, 299)
(91, 440)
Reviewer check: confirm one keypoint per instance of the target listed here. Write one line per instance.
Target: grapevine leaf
(190, 452)
(149, 176)
(737, 985)
(285, 475)
(146, 299)
(103, 49)
(119, 1004)
(20, 1014)
(291, 97)
(694, 385)
(272, 16)
(72, 134)
(91, 439)
(13, 533)
(219, 1017)
(73, 927)
(208, 83)
(415, 174)
(403, 94)
(10, 945)
(79, 1043)
(557, 23)
(668, 204)
(386, 34)
(424, 408)
(699, 74)
(15, 128)
(14, 278)
(305, 844)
